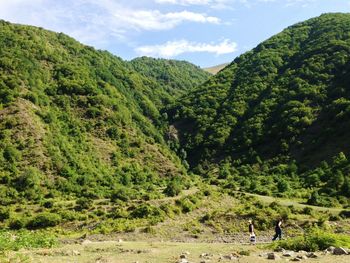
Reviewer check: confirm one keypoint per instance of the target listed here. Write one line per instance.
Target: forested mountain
(175, 76)
(79, 122)
(278, 117)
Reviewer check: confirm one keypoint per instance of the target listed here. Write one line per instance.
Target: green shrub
(83, 204)
(26, 239)
(345, 214)
(173, 188)
(313, 240)
(17, 223)
(4, 213)
(44, 220)
(146, 210)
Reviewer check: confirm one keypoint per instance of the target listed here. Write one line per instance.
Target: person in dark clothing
(251, 232)
(278, 230)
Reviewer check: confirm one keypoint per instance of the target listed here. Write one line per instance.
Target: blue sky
(204, 32)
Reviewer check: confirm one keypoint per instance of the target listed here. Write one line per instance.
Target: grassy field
(149, 252)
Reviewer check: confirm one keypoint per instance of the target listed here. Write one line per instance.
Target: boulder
(311, 255)
(340, 251)
(301, 256)
(330, 249)
(296, 259)
(273, 256)
(288, 253)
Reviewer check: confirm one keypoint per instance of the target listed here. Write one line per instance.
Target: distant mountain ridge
(215, 69)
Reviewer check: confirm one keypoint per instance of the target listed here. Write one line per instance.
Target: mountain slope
(283, 104)
(215, 69)
(174, 75)
(76, 121)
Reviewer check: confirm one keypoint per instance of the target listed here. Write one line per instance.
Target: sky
(204, 32)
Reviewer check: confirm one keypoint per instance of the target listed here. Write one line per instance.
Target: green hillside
(277, 119)
(175, 76)
(76, 122)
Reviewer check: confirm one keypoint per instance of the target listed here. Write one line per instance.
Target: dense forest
(276, 120)
(176, 77)
(81, 123)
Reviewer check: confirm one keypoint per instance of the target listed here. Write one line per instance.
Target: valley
(108, 160)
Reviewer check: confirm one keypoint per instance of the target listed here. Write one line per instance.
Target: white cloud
(155, 20)
(218, 4)
(96, 22)
(175, 48)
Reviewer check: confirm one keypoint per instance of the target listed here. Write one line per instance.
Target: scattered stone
(273, 256)
(206, 256)
(339, 251)
(330, 249)
(120, 240)
(288, 253)
(279, 249)
(183, 260)
(296, 259)
(75, 253)
(183, 256)
(301, 256)
(311, 255)
(229, 257)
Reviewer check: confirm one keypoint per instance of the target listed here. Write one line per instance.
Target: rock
(330, 249)
(75, 253)
(311, 255)
(229, 257)
(279, 249)
(183, 256)
(273, 256)
(206, 256)
(288, 253)
(339, 251)
(120, 240)
(183, 260)
(301, 256)
(296, 259)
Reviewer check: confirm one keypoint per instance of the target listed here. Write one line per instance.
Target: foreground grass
(147, 252)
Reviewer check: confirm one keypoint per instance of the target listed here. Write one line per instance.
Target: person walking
(252, 237)
(278, 230)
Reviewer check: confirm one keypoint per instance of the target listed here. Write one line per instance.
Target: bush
(17, 223)
(26, 239)
(345, 214)
(44, 220)
(313, 240)
(4, 213)
(83, 204)
(146, 211)
(173, 188)
(122, 193)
